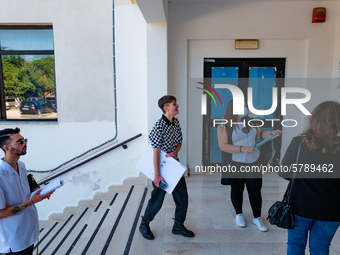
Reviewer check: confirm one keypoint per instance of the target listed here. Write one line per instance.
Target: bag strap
(290, 185)
(230, 140)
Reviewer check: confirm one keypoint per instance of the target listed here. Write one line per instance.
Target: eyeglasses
(21, 142)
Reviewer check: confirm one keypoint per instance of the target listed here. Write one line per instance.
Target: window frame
(3, 116)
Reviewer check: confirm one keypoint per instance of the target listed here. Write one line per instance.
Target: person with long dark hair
(316, 190)
(238, 138)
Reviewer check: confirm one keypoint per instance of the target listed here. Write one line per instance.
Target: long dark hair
(229, 116)
(323, 131)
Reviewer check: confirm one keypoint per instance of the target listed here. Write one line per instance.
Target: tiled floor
(211, 217)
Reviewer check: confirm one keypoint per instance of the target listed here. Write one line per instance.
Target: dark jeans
(253, 182)
(320, 232)
(180, 196)
(27, 251)
(254, 192)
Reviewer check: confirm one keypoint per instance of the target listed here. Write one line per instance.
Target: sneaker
(259, 223)
(240, 221)
(180, 229)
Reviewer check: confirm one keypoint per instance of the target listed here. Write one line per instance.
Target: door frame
(243, 65)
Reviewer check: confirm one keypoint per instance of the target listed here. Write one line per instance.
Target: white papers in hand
(52, 186)
(170, 169)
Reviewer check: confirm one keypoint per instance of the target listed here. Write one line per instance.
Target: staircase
(108, 224)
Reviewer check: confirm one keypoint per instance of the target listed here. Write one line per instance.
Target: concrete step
(52, 241)
(107, 224)
(105, 230)
(46, 239)
(139, 244)
(120, 232)
(60, 246)
(94, 224)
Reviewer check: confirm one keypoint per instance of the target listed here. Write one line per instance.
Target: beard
(17, 152)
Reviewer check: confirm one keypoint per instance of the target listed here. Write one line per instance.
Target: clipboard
(267, 140)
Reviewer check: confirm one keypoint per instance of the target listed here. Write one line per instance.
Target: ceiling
(230, 1)
(155, 10)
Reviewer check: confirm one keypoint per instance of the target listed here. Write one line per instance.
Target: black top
(166, 135)
(316, 193)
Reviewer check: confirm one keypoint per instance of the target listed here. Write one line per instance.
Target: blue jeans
(321, 234)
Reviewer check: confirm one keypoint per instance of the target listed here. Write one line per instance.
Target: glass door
(259, 74)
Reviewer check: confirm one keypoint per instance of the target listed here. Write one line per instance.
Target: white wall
(84, 78)
(336, 67)
(284, 29)
(140, 50)
(157, 69)
(85, 92)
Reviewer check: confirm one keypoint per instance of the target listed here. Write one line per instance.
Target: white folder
(170, 169)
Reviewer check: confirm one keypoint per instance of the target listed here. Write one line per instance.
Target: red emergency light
(319, 15)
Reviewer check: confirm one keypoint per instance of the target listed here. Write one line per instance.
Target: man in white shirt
(19, 225)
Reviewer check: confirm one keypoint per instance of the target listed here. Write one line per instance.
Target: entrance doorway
(261, 74)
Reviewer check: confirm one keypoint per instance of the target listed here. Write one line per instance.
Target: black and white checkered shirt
(166, 135)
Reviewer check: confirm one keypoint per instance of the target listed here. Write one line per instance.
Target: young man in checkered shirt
(166, 135)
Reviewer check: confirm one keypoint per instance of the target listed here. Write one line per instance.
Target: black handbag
(32, 183)
(280, 213)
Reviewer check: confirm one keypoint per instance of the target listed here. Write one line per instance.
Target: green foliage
(25, 77)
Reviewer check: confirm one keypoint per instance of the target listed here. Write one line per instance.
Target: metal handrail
(123, 144)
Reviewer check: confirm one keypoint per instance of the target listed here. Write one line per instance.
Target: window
(27, 74)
